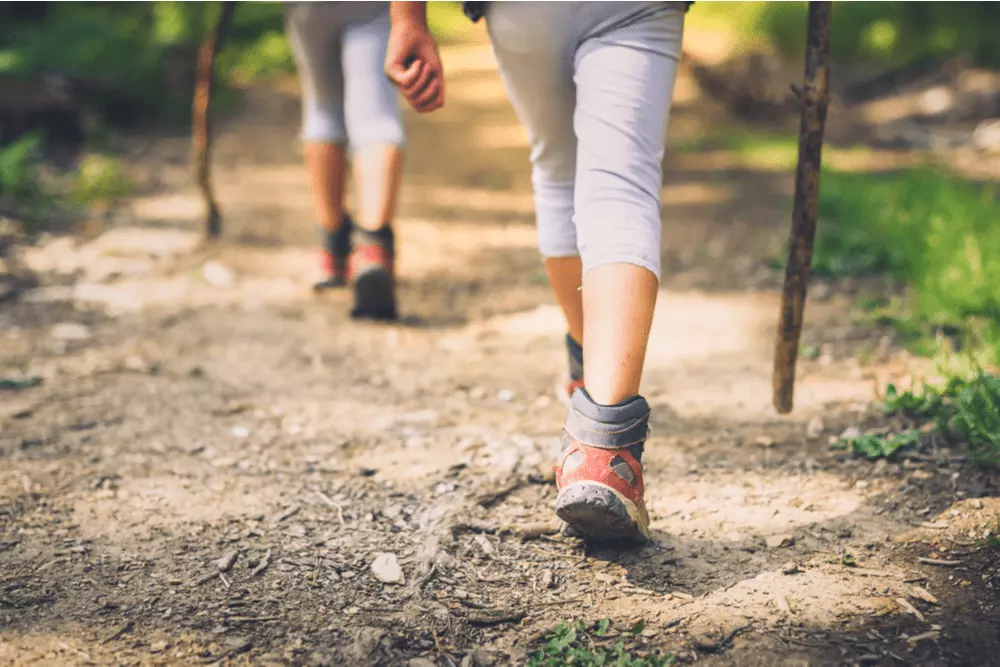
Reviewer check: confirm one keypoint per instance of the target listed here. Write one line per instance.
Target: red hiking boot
(371, 267)
(335, 247)
(574, 380)
(600, 475)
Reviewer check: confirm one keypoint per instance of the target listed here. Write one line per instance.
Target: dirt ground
(200, 405)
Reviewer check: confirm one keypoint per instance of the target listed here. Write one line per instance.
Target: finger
(419, 83)
(429, 94)
(432, 104)
(405, 77)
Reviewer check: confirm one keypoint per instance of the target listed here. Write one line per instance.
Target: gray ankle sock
(625, 424)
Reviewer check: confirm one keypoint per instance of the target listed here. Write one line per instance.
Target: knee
(387, 130)
(554, 216)
(619, 231)
(322, 122)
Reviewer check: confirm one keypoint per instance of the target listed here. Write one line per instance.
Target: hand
(412, 63)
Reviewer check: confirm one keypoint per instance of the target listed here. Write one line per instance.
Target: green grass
(100, 179)
(576, 645)
(927, 229)
(873, 446)
(34, 195)
(963, 409)
(758, 149)
(992, 540)
(885, 33)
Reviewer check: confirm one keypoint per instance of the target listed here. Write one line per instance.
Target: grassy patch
(761, 150)
(99, 179)
(927, 229)
(992, 540)
(873, 446)
(599, 646)
(871, 32)
(963, 409)
(34, 194)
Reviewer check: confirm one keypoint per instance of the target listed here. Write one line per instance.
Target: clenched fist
(412, 62)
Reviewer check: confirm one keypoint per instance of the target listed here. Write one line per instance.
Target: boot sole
(600, 514)
(374, 296)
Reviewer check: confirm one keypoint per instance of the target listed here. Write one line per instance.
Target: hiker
(592, 83)
(339, 50)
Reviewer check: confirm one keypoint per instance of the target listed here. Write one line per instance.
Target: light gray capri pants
(339, 50)
(592, 83)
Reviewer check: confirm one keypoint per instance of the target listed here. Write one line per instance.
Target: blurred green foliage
(145, 52)
(892, 33)
(928, 229)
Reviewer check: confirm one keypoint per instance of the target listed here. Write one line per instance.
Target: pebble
(69, 331)
(779, 541)
(216, 275)
(240, 432)
(850, 432)
(790, 567)
(478, 657)
(815, 428)
(386, 569)
(505, 395)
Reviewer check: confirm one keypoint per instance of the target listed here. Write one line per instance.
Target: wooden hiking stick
(200, 136)
(800, 245)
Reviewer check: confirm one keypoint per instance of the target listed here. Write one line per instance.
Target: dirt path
(199, 402)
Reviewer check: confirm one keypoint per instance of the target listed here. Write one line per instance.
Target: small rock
(779, 541)
(444, 487)
(815, 428)
(850, 432)
(987, 136)
(159, 646)
(484, 544)
(240, 432)
(216, 275)
(135, 363)
(791, 567)
(936, 100)
(69, 331)
(976, 503)
(225, 563)
(366, 640)
(386, 569)
(548, 579)
(505, 395)
(764, 441)
(478, 657)
(235, 645)
(421, 662)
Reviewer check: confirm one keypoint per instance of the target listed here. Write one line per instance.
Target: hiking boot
(371, 269)
(335, 248)
(600, 475)
(574, 380)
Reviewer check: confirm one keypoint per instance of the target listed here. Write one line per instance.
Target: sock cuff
(575, 351)
(608, 426)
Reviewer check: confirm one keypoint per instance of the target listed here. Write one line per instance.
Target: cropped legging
(339, 50)
(592, 83)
